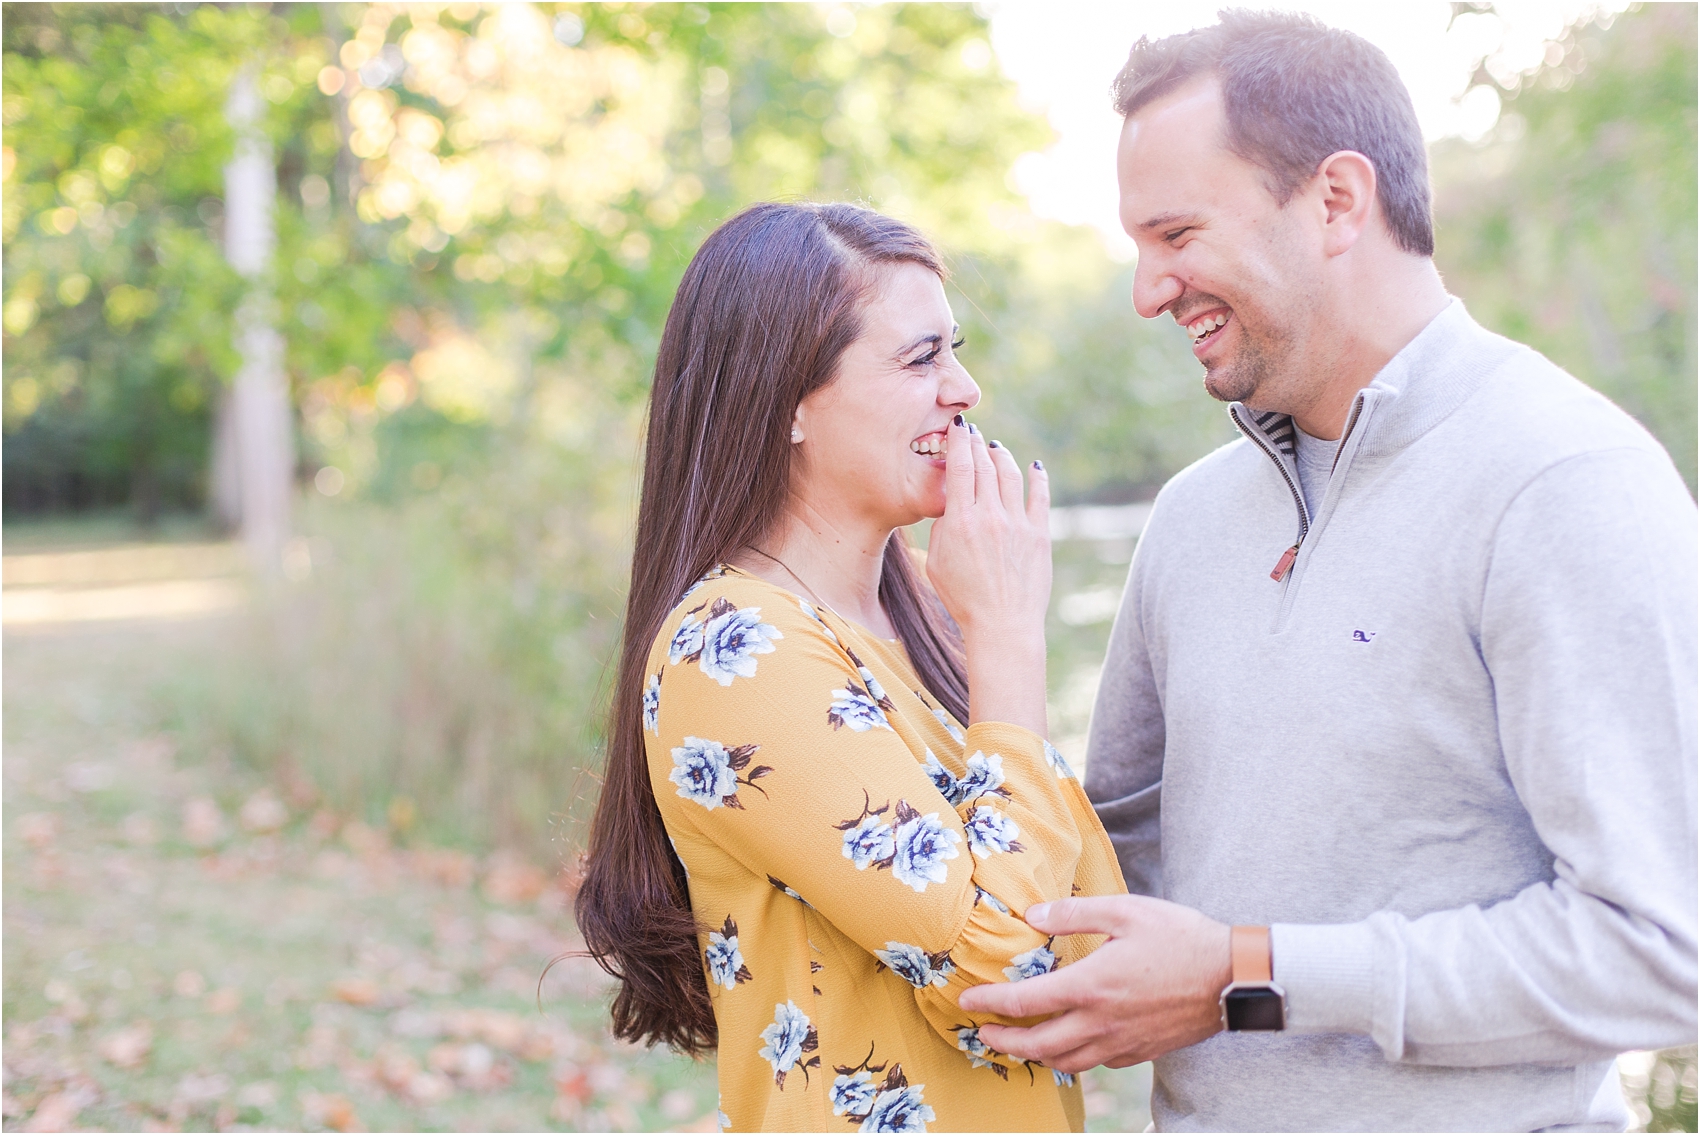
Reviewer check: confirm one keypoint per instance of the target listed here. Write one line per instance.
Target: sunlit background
(327, 335)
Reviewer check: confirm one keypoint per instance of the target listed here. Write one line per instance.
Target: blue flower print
(869, 682)
(720, 1116)
(854, 1089)
(707, 772)
(809, 610)
(730, 640)
(979, 1053)
(922, 846)
(1057, 763)
(915, 965)
(652, 704)
(990, 900)
(983, 778)
(1031, 963)
(712, 573)
(788, 1041)
(990, 831)
(943, 779)
(725, 961)
(1062, 1079)
(853, 1094)
(855, 707)
(898, 1109)
(944, 718)
(778, 885)
(968, 1040)
(868, 839)
(686, 643)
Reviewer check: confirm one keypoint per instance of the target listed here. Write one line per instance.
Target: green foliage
(482, 215)
(1572, 228)
(117, 297)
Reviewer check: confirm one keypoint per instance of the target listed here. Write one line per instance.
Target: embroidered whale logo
(1362, 636)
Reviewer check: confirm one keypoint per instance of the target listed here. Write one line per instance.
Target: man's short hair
(1295, 91)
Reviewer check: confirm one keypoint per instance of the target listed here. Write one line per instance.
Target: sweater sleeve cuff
(1328, 973)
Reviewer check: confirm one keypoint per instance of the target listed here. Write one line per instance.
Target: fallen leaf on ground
(263, 812)
(356, 990)
(128, 1047)
(394, 1067)
(572, 1083)
(38, 829)
(446, 867)
(363, 840)
(512, 881)
(261, 1094)
(56, 1113)
(429, 1088)
(202, 1087)
(330, 1110)
(203, 822)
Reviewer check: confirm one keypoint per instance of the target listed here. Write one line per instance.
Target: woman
(800, 855)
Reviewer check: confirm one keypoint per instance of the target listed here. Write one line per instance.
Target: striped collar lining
(1278, 428)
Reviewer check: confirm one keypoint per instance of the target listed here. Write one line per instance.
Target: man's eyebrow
(1165, 219)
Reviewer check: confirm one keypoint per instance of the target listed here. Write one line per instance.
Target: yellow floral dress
(857, 860)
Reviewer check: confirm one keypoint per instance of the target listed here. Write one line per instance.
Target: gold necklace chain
(792, 574)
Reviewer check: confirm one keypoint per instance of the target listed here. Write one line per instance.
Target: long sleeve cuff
(1328, 973)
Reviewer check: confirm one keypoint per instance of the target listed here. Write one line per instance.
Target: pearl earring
(796, 434)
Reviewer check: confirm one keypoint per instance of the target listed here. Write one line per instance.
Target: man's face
(1216, 252)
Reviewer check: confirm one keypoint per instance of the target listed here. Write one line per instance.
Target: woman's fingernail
(973, 429)
(1039, 465)
(957, 421)
(995, 444)
(1036, 913)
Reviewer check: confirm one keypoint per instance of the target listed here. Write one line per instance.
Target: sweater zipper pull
(1285, 564)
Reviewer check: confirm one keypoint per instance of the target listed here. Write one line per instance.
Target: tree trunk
(260, 430)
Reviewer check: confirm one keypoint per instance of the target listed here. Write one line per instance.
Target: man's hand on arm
(1152, 988)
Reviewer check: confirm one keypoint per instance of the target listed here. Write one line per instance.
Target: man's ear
(1346, 182)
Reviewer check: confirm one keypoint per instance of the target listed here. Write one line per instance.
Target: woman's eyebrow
(932, 337)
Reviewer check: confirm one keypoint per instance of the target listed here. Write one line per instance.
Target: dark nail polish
(1039, 465)
(958, 420)
(973, 429)
(995, 445)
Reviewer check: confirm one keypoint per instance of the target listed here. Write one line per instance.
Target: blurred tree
(117, 297)
(1572, 226)
(482, 214)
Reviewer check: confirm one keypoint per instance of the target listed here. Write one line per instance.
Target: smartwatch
(1252, 1002)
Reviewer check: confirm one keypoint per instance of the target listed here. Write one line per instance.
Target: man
(1403, 685)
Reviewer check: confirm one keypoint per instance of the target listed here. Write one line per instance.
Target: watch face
(1255, 1010)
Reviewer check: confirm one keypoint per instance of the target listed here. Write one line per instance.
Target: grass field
(191, 946)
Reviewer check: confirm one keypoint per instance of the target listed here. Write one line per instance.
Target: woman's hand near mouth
(989, 559)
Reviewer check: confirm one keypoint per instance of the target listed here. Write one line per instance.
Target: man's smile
(1204, 328)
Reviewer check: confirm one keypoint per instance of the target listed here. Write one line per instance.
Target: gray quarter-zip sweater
(1449, 754)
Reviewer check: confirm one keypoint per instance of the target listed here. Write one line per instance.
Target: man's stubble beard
(1239, 379)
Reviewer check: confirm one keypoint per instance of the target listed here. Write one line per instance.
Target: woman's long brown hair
(767, 306)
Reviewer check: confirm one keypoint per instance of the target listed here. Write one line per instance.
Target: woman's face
(873, 438)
